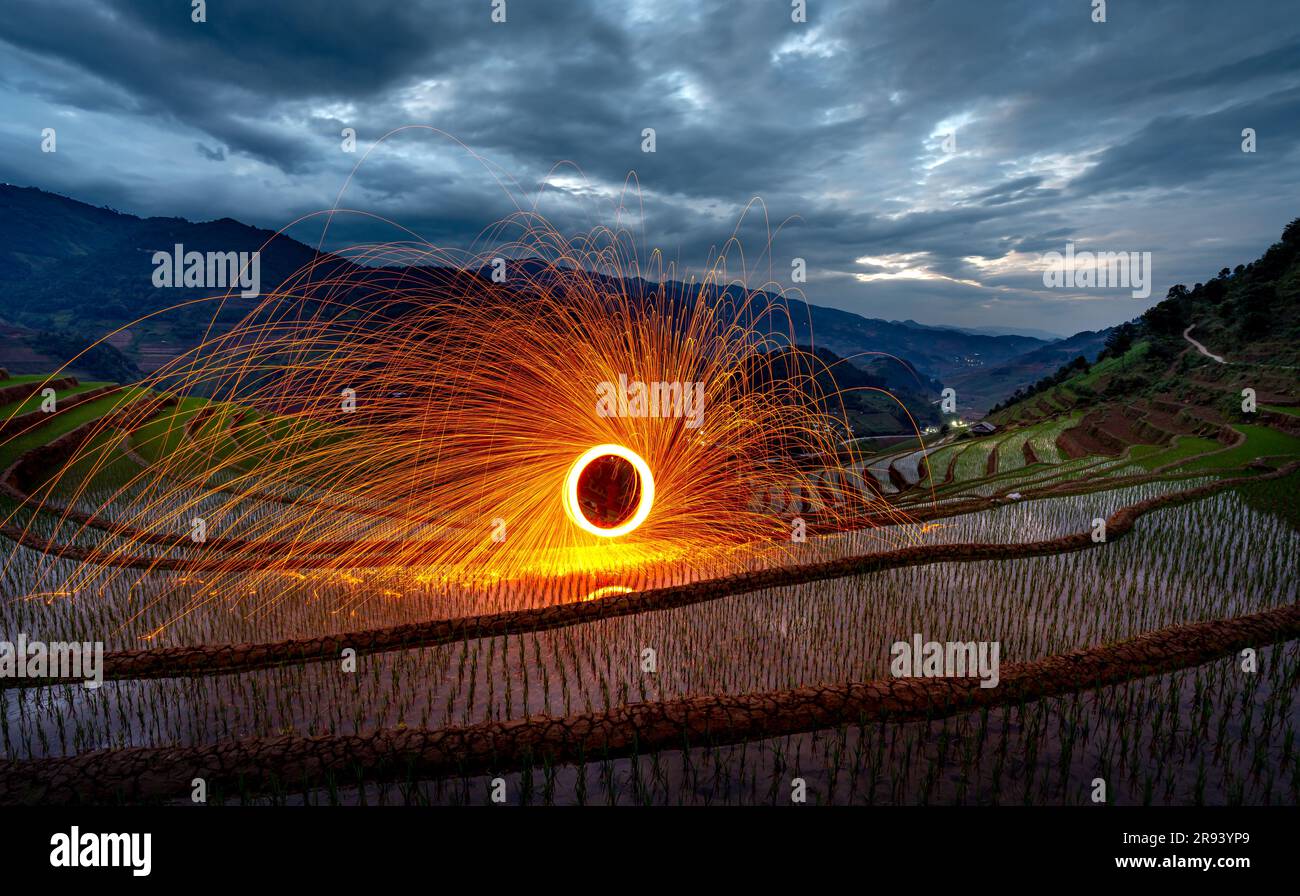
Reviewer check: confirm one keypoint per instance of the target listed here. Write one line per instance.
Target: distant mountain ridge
(76, 269)
(981, 390)
(985, 331)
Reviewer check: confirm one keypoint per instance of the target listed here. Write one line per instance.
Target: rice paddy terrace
(1121, 658)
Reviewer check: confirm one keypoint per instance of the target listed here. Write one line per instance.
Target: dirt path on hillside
(1187, 334)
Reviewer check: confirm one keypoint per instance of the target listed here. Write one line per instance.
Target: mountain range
(72, 272)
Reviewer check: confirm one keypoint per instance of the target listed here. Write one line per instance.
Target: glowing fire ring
(645, 481)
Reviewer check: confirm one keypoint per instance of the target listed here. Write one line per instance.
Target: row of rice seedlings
(878, 466)
(132, 605)
(164, 607)
(1039, 476)
(1042, 518)
(1011, 450)
(942, 459)
(911, 466)
(257, 603)
(1025, 478)
(1067, 471)
(1107, 468)
(1209, 735)
(1213, 559)
(973, 462)
(1052, 467)
(1043, 440)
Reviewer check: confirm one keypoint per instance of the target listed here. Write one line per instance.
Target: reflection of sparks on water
(47, 596)
(608, 591)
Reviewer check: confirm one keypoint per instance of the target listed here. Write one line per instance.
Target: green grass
(1111, 365)
(33, 402)
(1260, 442)
(59, 424)
(29, 378)
(289, 443)
(1051, 400)
(1063, 396)
(165, 433)
(1280, 409)
(1152, 456)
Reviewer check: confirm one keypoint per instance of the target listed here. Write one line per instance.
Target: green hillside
(1246, 322)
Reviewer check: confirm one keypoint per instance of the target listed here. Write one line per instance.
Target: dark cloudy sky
(1118, 136)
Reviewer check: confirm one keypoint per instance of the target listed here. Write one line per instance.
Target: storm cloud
(919, 156)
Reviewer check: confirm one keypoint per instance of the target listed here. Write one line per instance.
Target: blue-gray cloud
(1122, 135)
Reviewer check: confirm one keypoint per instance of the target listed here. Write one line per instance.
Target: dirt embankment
(32, 419)
(206, 659)
(1111, 429)
(24, 391)
(143, 774)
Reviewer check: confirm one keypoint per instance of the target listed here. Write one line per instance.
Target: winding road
(1187, 334)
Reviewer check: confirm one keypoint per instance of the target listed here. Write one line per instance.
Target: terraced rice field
(575, 665)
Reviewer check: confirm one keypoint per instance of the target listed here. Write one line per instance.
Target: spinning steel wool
(405, 410)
